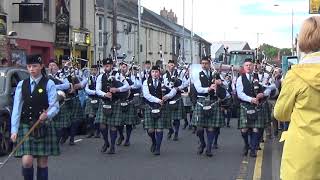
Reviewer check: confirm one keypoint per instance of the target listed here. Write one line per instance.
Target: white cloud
(217, 20)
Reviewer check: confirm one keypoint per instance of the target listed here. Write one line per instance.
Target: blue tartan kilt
(91, 106)
(130, 116)
(164, 122)
(216, 119)
(77, 112)
(63, 118)
(46, 146)
(177, 111)
(262, 116)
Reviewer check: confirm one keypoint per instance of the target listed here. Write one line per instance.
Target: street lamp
(292, 45)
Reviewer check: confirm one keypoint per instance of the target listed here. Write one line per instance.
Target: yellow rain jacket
(299, 103)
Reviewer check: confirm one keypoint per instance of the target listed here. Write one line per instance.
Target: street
(178, 160)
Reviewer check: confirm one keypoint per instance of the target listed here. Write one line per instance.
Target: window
(141, 48)
(30, 13)
(100, 39)
(100, 22)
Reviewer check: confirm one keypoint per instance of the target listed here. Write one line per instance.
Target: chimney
(170, 15)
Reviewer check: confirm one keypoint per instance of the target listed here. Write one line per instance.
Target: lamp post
(292, 14)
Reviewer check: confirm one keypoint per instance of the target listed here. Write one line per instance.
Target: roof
(234, 45)
(130, 9)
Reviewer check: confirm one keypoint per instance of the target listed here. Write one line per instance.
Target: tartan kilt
(63, 118)
(91, 108)
(177, 111)
(215, 120)
(260, 122)
(164, 122)
(77, 113)
(130, 117)
(115, 119)
(47, 146)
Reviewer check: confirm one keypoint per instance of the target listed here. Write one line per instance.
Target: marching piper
(113, 90)
(252, 112)
(92, 103)
(42, 141)
(207, 114)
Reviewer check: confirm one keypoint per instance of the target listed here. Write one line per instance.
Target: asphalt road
(178, 160)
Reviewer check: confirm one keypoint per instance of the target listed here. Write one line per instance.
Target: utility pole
(114, 24)
(191, 38)
(183, 53)
(138, 40)
(292, 46)
(105, 33)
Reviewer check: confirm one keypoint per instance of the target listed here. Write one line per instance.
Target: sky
(254, 21)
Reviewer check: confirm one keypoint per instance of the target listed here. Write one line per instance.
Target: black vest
(112, 83)
(34, 103)
(145, 74)
(157, 92)
(248, 87)
(55, 80)
(205, 82)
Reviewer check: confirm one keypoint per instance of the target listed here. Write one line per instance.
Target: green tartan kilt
(115, 119)
(176, 111)
(77, 112)
(130, 116)
(91, 108)
(260, 122)
(164, 122)
(215, 120)
(47, 146)
(63, 118)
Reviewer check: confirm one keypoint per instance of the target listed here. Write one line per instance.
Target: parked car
(9, 79)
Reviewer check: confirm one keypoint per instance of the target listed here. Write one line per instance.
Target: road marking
(243, 172)
(78, 140)
(259, 160)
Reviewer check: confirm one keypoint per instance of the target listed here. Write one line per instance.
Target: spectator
(4, 62)
(299, 103)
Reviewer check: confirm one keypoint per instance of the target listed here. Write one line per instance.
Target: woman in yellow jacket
(299, 102)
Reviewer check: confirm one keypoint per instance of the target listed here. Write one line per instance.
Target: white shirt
(240, 92)
(150, 98)
(123, 88)
(199, 88)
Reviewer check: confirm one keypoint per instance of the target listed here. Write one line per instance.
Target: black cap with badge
(107, 61)
(156, 68)
(34, 59)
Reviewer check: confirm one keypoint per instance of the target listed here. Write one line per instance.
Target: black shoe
(245, 151)
(120, 140)
(71, 143)
(215, 146)
(253, 153)
(209, 153)
(201, 149)
(259, 148)
(185, 125)
(97, 135)
(63, 140)
(153, 148)
(111, 151)
(156, 152)
(175, 138)
(104, 148)
(228, 126)
(169, 135)
(90, 135)
(126, 143)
